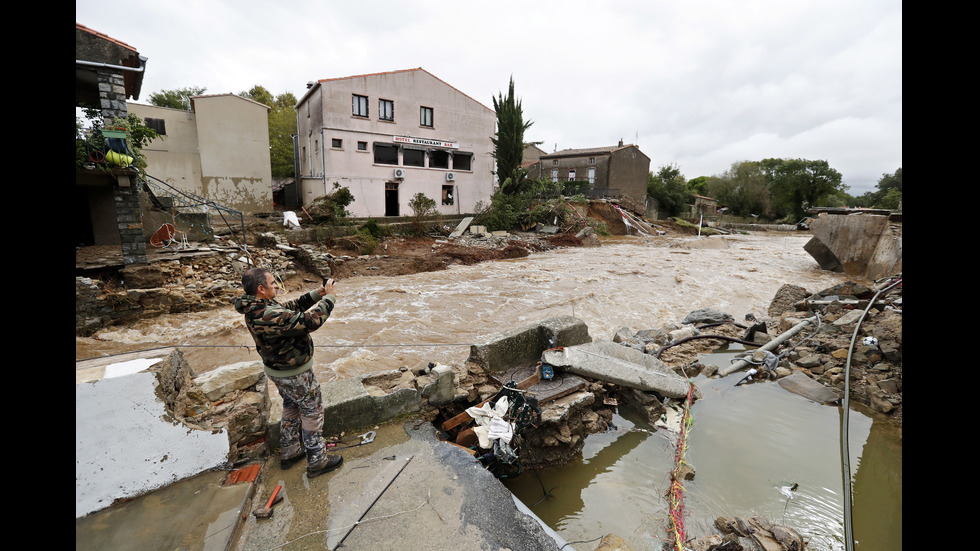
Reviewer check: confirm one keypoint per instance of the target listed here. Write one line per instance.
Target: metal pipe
(139, 69)
(769, 346)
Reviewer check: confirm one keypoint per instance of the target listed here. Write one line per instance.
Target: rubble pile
(820, 353)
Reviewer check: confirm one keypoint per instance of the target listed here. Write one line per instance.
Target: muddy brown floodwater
(383, 323)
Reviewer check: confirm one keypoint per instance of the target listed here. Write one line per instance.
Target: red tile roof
(83, 28)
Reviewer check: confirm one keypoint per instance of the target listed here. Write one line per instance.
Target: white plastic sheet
(290, 220)
(491, 424)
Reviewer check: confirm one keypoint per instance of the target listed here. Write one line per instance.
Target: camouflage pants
(302, 417)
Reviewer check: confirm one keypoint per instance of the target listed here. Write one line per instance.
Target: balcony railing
(106, 148)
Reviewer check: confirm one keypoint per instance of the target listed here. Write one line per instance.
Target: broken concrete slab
(443, 390)
(524, 345)
(622, 365)
(861, 245)
(347, 405)
(461, 227)
(799, 383)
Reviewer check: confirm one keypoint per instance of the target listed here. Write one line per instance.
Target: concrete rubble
(617, 364)
(860, 245)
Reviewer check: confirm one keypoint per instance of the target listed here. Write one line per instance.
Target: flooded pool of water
(749, 445)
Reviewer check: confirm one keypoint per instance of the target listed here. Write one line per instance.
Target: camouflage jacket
(282, 331)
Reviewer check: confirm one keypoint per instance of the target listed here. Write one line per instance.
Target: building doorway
(391, 199)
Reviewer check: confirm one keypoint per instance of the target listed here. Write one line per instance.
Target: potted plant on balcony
(116, 145)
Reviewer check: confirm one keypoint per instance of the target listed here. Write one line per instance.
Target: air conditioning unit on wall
(450, 176)
(399, 173)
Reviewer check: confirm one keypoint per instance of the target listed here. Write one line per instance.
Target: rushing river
(383, 323)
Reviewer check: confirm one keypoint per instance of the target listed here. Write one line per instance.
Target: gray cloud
(697, 84)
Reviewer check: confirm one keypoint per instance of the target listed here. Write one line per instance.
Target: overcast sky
(697, 84)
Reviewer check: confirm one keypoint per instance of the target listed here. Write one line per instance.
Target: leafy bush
(422, 207)
(375, 230)
(331, 208)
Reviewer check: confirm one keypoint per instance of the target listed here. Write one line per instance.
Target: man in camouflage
(282, 338)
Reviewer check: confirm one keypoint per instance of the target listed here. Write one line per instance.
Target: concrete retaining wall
(523, 345)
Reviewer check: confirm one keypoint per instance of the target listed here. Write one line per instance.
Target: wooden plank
(471, 452)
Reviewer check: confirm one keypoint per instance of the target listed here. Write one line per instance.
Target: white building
(218, 149)
(389, 136)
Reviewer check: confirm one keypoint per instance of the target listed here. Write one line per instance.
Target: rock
(625, 336)
(612, 542)
(652, 336)
(681, 334)
(785, 298)
(588, 237)
(798, 383)
(707, 315)
(787, 537)
(226, 379)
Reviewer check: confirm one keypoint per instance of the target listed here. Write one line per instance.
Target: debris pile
(748, 533)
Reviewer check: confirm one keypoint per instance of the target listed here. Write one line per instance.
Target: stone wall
(112, 95)
(233, 397)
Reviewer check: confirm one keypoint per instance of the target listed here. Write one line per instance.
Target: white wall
(124, 444)
(457, 118)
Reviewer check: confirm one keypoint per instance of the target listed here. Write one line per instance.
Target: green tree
(175, 99)
(508, 141)
(743, 188)
(669, 188)
(282, 128)
(798, 184)
(889, 193)
(698, 185)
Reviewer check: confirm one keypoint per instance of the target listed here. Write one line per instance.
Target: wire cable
(845, 453)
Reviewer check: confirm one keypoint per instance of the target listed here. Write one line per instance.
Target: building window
(554, 175)
(360, 105)
(554, 163)
(425, 117)
(159, 125)
(591, 160)
(571, 175)
(386, 110)
(362, 146)
(413, 157)
(438, 158)
(591, 175)
(462, 161)
(385, 154)
(447, 195)
(337, 143)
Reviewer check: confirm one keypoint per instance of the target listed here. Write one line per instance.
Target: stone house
(217, 148)
(107, 212)
(704, 206)
(389, 136)
(618, 171)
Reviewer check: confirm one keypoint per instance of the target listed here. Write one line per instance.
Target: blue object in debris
(547, 372)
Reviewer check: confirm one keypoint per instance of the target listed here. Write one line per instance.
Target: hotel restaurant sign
(424, 142)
